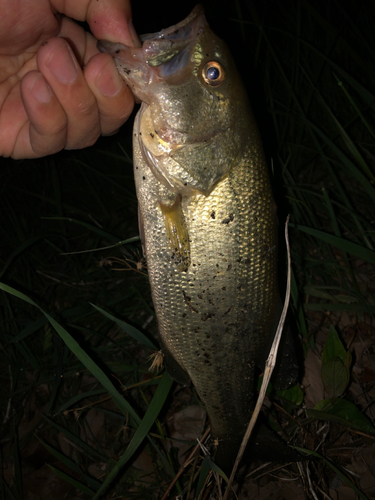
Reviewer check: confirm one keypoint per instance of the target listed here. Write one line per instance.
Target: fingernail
(40, 89)
(133, 34)
(63, 65)
(109, 82)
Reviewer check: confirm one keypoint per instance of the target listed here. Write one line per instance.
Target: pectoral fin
(177, 234)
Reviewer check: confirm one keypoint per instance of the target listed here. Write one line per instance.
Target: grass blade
(335, 469)
(148, 420)
(73, 482)
(341, 243)
(131, 330)
(85, 359)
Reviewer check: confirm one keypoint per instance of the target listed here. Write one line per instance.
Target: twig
(322, 492)
(270, 365)
(263, 466)
(312, 492)
(185, 464)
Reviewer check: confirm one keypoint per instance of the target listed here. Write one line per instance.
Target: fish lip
(172, 40)
(166, 32)
(143, 66)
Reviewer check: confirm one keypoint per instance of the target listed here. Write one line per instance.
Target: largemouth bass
(207, 215)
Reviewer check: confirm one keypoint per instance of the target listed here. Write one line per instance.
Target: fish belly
(216, 317)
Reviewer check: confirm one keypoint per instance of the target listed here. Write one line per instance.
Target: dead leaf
(312, 380)
(186, 425)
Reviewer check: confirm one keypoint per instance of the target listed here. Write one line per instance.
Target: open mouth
(165, 54)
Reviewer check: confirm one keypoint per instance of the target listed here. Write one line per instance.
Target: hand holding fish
(56, 90)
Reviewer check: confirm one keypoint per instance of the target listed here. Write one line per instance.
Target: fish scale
(208, 216)
(211, 318)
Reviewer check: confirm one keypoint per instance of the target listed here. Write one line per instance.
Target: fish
(207, 216)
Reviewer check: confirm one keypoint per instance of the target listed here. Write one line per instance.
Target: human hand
(47, 101)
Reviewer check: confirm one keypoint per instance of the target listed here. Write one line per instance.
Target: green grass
(86, 329)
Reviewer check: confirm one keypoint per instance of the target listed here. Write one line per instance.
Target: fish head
(190, 124)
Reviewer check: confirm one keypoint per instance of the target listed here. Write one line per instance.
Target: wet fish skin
(209, 219)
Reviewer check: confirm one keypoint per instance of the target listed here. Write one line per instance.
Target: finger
(59, 66)
(114, 99)
(112, 22)
(45, 133)
(108, 19)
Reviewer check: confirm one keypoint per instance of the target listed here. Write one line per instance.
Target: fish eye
(213, 73)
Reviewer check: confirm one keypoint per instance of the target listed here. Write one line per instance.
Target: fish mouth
(164, 56)
(168, 49)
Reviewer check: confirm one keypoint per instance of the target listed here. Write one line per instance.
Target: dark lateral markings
(187, 300)
(229, 219)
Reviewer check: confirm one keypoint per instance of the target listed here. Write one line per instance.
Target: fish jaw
(145, 66)
(185, 121)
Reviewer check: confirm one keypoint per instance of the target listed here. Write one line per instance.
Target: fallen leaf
(312, 380)
(186, 425)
